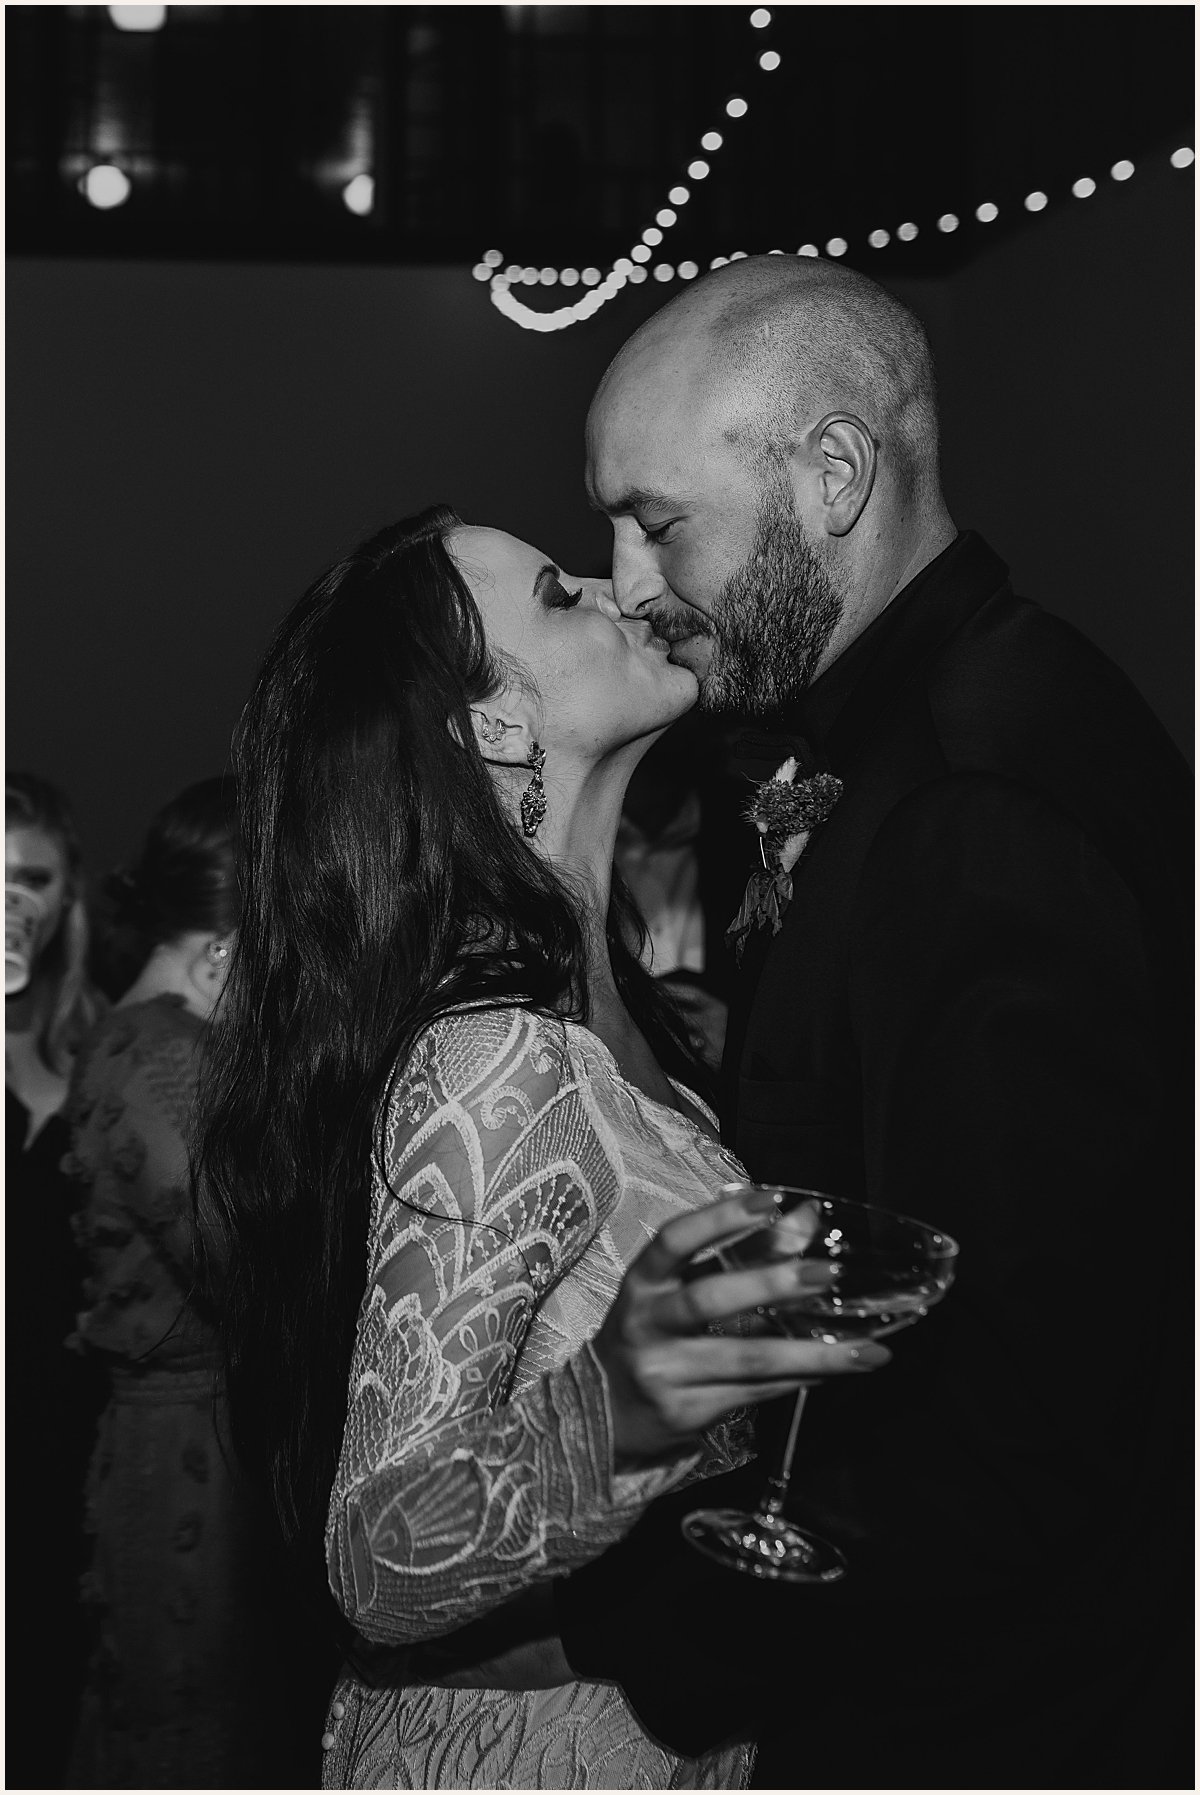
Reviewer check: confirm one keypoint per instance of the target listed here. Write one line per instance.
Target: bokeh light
(105, 186)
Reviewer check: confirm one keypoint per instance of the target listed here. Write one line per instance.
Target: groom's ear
(843, 456)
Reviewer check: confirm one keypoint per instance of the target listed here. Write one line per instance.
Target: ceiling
(552, 134)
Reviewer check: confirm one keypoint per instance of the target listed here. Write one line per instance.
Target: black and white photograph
(599, 897)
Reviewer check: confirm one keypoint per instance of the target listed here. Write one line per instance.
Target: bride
(456, 1159)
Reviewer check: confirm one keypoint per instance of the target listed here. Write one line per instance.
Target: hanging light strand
(635, 267)
(637, 264)
(987, 212)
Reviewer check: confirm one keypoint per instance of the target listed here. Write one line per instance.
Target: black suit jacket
(976, 1012)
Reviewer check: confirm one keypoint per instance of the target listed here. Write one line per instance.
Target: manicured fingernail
(760, 1202)
(867, 1356)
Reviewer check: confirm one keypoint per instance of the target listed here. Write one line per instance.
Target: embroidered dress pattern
(523, 1175)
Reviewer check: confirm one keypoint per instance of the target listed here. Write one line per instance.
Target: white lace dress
(525, 1175)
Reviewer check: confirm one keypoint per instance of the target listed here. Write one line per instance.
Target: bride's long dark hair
(382, 885)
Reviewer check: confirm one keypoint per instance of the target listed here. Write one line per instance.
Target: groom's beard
(774, 618)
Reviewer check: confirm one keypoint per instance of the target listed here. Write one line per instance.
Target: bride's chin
(692, 654)
(686, 693)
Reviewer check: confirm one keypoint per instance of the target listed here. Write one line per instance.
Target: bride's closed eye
(559, 599)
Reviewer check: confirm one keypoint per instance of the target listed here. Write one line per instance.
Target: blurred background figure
(50, 1001)
(51, 1393)
(190, 1637)
(669, 850)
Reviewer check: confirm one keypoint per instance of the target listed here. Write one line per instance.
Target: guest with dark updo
(185, 1683)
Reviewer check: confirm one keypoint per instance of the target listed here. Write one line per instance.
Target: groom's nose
(637, 581)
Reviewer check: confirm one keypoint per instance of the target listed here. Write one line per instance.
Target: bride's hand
(668, 1375)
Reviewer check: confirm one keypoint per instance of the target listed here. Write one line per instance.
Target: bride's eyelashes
(559, 599)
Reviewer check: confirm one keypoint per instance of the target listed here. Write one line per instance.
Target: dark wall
(190, 444)
(1069, 422)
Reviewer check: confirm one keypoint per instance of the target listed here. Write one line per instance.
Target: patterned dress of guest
(186, 1686)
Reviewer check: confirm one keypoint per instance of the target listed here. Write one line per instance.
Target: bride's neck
(579, 836)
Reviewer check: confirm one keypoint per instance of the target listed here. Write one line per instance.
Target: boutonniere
(785, 811)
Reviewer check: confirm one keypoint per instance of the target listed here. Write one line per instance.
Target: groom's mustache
(675, 623)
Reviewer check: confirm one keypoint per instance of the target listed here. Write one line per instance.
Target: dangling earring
(533, 798)
(216, 953)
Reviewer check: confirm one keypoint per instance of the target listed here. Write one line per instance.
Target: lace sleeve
(450, 1497)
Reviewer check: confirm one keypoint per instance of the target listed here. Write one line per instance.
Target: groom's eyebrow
(637, 499)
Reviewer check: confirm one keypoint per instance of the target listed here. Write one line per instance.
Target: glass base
(763, 1546)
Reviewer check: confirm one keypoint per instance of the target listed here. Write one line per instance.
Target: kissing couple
(456, 1157)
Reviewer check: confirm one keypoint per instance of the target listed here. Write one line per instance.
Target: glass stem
(775, 1492)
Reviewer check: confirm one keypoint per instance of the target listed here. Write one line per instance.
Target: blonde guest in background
(51, 1398)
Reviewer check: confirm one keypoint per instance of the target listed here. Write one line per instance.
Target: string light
(625, 269)
(986, 213)
(631, 270)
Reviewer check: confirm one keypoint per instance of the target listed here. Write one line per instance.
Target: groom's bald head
(766, 447)
(769, 344)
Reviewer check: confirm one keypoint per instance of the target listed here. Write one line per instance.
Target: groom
(975, 1011)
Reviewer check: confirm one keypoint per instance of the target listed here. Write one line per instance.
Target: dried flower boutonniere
(785, 811)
